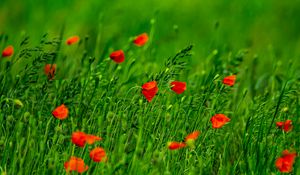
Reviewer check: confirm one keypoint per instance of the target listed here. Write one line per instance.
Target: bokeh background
(249, 23)
(105, 98)
(268, 28)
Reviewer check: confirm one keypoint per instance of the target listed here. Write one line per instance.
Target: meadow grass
(105, 99)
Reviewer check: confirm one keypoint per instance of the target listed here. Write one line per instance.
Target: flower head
(219, 120)
(229, 80)
(117, 56)
(98, 155)
(50, 70)
(8, 51)
(190, 139)
(192, 136)
(91, 139)
(61, 112)
(72, 40)
(80, 138)
(285, 125)
(176, 145)
(141, 39)
(285, 163)
(178, 87)
(149, 90)
(75, 164)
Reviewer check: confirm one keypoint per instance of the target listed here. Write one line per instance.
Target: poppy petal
(149, 90)
(141, 39)
(285, 163)
(229, 80)
(176, 145)
(75, 164)
(192, 136)
(90, 139)
(285, 126)
(98, 154)
(117, 56)
(8, 51)
(72, 40)
(50, 70)
(61, 112)
(219, 120)
(79, 138)
(178, 87)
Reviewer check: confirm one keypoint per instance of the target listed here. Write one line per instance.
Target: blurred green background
(259, 25)
(219, 29)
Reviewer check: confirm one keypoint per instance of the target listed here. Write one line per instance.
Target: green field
(197, 42)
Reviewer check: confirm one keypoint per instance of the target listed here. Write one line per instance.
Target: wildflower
(90, 139)
(72, 40)
(61, 112)
(178, 87)
(285, 163)
(176, 145)
(149, 90)
(80, 138)
(229, 80)
(192, 136)
(98, 154)
(75, 164)
(219, 120)
(190, 139)
(286, 125)
(117, 56)
(8, 51)
(50, 70)
(141, 39)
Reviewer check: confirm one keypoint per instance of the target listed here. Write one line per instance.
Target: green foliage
(105, 99)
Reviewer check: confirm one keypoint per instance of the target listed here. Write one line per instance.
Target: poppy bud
(18, 103)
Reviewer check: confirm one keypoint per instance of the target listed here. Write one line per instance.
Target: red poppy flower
(90, 139)
(219, 120)
(61, 112)
(285, 163)
(80, 138)
(49, 70)
(117, 56)
(176, 145)
(8, 51)
(75, 164)
(286, 126)
(178, 87)
(149, 90)
(72, 40)
(141, 39)
(98, 155)
(229, 80)
(192, 136)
